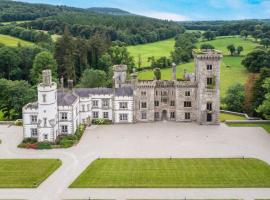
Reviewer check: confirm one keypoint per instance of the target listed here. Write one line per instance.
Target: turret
(120, 74)
(207, 76)
(47, 112)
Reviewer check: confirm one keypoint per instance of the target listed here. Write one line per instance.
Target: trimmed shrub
(44, 145)
(66, 143)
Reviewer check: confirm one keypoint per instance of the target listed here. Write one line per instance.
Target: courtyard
(142, 140)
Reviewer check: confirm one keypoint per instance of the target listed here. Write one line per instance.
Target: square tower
(207, 76)
(119, 75)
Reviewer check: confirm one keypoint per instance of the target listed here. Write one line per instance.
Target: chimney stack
(174, 71)
(70, 84)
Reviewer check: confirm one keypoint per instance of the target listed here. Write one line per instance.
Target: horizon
(178, 10)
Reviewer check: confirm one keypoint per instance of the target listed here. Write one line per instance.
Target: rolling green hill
(232, 70)
(12, 41)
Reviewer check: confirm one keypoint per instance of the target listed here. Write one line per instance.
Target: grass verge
(175, 173)
(265, 126)
(227, 116)
(26, 173)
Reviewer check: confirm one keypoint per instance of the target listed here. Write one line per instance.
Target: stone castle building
(195, 98)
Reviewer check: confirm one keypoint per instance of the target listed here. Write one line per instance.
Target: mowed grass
(265, 126)
(26, 173)
(13, 41)
(175, 173)
(228, 116)
(156, 49)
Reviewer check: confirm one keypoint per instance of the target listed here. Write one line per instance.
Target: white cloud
(165, 15)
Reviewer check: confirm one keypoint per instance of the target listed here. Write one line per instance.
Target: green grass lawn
(264, 126)
(227, 116)
(26, 173)
(1, 116)
(12, 41)
(174, 173)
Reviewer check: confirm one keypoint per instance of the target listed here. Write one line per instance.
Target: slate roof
(85, 92)
(33, 105)
(124, 91)
(65, 98)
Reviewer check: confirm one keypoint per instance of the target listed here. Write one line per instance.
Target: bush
(101, 121)
(30, 140)
(66, 143)
(18, 122)
(44, 145)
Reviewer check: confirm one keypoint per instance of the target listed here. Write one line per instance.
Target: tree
(93, 78)
(249, 93)
(139, 61)
(207, 46)
(157, 73)
(244, 34)
(64, 55)
(265, 42)
(43, 61)
(209, 35)
(235, 98)
(264, 108)
(9, 63)
(256, 60)
(239, 49)
(13, 96)
(231, 48)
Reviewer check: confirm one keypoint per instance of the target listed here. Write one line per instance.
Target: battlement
(119, 68)
(206, 54)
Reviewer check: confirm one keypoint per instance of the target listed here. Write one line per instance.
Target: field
(227, 116)
(12, 41)
(232, 71)
(175, 173)
(26, 173)
(264, 126)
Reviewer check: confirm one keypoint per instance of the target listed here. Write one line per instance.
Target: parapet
(119, 68)
(206, 53)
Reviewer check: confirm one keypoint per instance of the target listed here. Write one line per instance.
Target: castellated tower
(119, 75)
(207, 75)
(47, 112)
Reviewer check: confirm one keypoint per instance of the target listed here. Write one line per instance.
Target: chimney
(46, 77)
(62, 82)
(174, 71)
(70, 84)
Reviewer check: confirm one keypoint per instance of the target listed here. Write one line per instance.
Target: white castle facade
(196, 98)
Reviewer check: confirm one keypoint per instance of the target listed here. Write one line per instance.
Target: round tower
(47, 108)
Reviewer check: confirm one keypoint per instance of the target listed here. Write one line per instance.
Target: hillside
(110, 11)
(13, 41)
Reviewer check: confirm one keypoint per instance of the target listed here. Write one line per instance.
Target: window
(156, 103)
(123, 117)
(209, 81)
(172, 103)
(105, 102)
(163, 93)
(209, 67)
(95, 115)
(143, 93)
(34, 132)
(105, 115)
(95, 103)
(187, 104)
(88, 107)
(64, 129)
(123, 105)
(44, 98)
(144, 116)
(144, 105)
(45, 137)
(164, 99)
(45, 121)
(156, 93)
(64, 116)
(172, 115)
(33, 119)
(187, 116)
(83, 108)
(209, 117)
(209, 106)
(187, 93)
(156, 115)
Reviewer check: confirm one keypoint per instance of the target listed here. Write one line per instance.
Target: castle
(196, 98)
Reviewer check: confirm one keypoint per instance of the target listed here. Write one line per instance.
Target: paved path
(162, 139)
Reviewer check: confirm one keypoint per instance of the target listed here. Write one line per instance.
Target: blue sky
(180, 10)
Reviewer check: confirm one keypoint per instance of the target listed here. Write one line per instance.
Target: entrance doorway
(164, 115)
(209, 117)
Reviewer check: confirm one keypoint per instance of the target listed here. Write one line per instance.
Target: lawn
(175, 173)
(265, 126)
(26, 173)
(12, 41)
(227, 116)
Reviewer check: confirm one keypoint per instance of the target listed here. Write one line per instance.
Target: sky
(179, 10)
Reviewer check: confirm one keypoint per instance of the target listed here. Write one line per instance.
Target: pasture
(13, 41)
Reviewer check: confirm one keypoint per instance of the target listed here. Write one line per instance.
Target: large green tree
(264, 108)
(42, 61)
(93, 78)
(235, 97)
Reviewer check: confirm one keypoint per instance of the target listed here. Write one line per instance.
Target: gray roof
(85, 92)
(65, 98)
